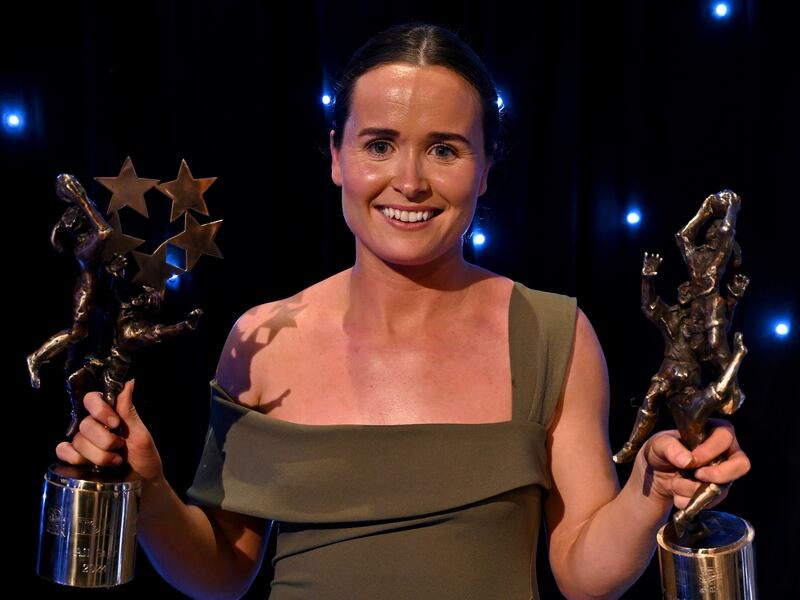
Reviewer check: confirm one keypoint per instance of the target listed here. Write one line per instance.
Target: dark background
(609, 105)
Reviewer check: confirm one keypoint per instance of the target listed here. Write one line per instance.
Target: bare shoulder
(588, 360)
(584, 401)
(269, 329)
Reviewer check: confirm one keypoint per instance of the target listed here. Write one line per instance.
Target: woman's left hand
(663, 457)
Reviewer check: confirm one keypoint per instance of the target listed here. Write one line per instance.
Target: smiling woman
(407, 422)
(411, 160)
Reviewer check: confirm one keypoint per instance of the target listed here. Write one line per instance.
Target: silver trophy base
(87, 533)
(716, 563)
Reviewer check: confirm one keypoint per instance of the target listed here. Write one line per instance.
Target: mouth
(409, 216)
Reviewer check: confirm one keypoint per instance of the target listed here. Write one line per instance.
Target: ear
(485, 176)
(336, 166)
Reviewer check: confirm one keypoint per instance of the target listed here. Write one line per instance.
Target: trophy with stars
(87, 535)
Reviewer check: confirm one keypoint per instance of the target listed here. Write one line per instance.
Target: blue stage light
(326, 99)
(633, 217)
(13, 120)
(782, 328)
(478, 239)
(500, 104)
(721, 10)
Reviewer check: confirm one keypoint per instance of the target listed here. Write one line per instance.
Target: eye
(379, 147)
(444, 151)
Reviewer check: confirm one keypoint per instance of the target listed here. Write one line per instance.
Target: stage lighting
(478, 239)
(782, 328)
(721, 10)
(326, 99)
(500, 104)
(13, 120)
(633, 217)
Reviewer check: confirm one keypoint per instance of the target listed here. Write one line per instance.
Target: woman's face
(411, 164)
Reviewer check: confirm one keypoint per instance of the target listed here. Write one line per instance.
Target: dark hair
(419, 44)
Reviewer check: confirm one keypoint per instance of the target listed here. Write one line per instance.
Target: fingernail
(113, 422)
(685, 459)
(117, 459)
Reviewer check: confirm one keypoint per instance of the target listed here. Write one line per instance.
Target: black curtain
(608, 106)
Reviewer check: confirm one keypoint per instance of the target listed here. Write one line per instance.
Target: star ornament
(119, 243)
(154, 270)
(186, 192)
(127, 189)
(197, 239)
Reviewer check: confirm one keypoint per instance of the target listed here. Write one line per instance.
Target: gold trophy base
(718, 563)
(87, 533)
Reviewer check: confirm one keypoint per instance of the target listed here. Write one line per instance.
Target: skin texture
(369, 344)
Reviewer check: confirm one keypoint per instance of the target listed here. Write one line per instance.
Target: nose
(410, 178)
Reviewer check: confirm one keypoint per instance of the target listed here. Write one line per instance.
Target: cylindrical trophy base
(87, 533)
(715, 564)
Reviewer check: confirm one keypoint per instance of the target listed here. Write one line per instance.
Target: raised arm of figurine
(736, 289)
(685, 237)
(652, 306)
(71, 191)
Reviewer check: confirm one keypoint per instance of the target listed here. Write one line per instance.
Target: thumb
(126, 409)
(666, 453)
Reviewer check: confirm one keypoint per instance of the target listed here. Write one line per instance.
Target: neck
(403, 299)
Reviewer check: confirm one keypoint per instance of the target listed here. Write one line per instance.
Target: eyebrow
(442, 136)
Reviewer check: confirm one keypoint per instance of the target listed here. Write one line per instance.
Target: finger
(736, 465)
(94, 454)
(65, 452)
(100, 410)
(721, 441)
(127, 410)
(99, 435)
(684, 487)
(667, 453)
(722, 495)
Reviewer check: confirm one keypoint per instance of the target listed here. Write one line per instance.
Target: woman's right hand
(107, 437)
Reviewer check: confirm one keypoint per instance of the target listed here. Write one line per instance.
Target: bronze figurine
(84, 231)
(100, 249)
(695, 333)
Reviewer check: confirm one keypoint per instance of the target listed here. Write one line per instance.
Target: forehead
(430, 98)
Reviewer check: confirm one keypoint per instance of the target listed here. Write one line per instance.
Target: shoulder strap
(541, 327)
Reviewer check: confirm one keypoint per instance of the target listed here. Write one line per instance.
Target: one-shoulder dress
(439, 511)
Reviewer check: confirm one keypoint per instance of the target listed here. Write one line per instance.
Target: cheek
(458, 187)
(360, 180)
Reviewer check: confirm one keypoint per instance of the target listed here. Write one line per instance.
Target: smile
(409, 216)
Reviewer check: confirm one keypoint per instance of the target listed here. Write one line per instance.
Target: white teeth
(407, 216)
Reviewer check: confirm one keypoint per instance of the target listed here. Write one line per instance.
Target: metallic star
(197, 239)
(127, 189)
(119, 243)
(154, 270)
(186, 192)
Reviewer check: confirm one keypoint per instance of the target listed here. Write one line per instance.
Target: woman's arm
(601, 538)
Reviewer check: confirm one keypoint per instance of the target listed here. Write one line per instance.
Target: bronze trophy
(87, 534)
(703, 553)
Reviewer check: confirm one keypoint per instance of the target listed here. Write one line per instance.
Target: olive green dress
(440, 511)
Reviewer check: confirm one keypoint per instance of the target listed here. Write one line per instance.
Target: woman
(404, 420)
